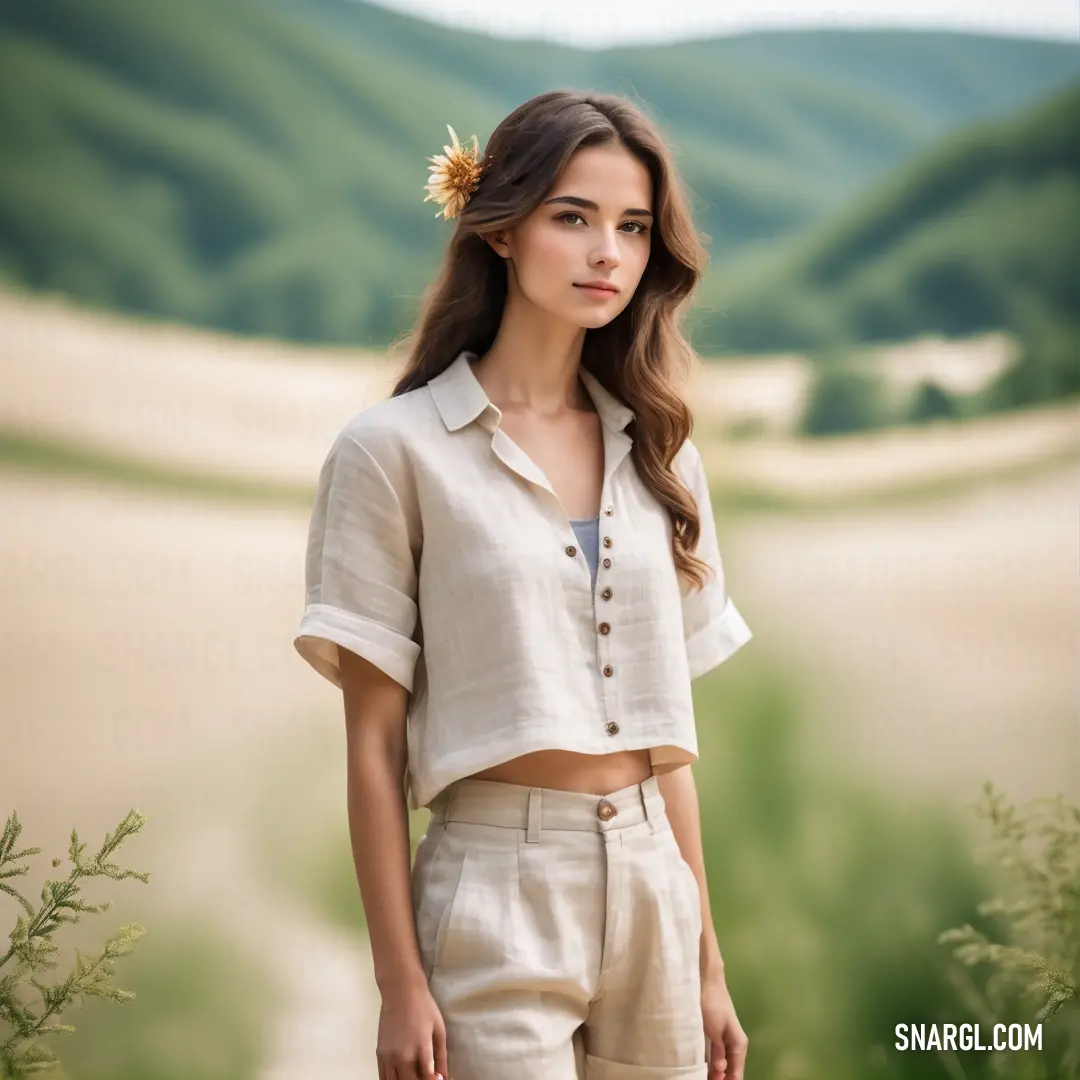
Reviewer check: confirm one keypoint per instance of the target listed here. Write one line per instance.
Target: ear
(499, 243)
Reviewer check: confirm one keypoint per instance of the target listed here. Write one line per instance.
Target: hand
(727, 1040)
(412, 1036)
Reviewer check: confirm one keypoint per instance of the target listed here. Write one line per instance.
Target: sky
(600, 23)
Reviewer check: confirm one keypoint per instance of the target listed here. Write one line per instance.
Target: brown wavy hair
(636, 355)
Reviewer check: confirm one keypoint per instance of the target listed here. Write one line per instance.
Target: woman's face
(594, 225)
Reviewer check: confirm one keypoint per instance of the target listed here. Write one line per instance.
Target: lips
(597, 286)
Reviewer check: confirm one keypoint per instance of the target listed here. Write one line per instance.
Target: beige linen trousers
(560, 933)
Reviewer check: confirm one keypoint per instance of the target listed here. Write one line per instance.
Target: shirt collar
(460, 398)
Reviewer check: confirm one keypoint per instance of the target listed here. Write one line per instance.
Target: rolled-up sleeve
(360, 570)
(713, 627)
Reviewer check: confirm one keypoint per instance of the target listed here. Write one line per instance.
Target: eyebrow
(588, 204)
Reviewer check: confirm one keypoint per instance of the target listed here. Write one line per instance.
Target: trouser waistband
(514, 806)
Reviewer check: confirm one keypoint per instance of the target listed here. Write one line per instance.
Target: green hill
(259, 166)
(981, 234)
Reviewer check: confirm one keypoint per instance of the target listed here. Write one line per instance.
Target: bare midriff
(566, 770)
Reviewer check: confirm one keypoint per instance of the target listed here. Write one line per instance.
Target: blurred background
(211, 227)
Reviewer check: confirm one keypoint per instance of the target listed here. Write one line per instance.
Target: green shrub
(932, 401)
(842, 398)
(1047, 369)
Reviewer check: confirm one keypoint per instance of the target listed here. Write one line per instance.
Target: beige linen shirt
(438, 551)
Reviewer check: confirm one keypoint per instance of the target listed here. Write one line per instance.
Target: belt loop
(532, 836)
(654, 802)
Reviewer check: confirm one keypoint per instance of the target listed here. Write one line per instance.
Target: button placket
(605, 627)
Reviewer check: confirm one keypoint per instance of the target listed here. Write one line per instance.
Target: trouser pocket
(435, 874)
(465, 894)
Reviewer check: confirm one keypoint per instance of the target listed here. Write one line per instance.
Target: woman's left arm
(726, 1041)
(684, 813)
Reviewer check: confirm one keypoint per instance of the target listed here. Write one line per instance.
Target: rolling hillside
(981, 234)
(258, 166)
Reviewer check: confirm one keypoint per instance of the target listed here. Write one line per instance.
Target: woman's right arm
(375, 708)
(412, 1038)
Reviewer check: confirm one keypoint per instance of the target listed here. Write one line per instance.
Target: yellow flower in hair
(454, 176)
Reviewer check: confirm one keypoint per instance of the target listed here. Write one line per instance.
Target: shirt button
(571, 550)
(611, 727)
(606, 594)
(608, 510)
(605, 811)
(608, 671)
(607, 564)
(608, 541)
(604, 628)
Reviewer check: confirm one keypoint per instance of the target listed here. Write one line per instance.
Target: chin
(585, 322)
(581, 316)
(592, 322)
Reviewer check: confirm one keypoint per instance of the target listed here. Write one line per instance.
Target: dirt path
(895, 460)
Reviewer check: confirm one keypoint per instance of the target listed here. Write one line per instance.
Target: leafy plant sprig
(21, 1051)
(1036, 852)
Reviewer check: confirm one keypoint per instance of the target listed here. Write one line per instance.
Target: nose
(606, 252)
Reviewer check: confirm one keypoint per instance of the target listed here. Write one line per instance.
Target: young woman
(513, 576)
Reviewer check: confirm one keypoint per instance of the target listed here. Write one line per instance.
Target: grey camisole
(587, 531)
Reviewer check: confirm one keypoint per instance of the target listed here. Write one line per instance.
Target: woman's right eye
(568, 214)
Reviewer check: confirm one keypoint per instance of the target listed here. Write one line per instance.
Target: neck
(532, 365)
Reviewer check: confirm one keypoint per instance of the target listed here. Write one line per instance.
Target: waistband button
(605, 811)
